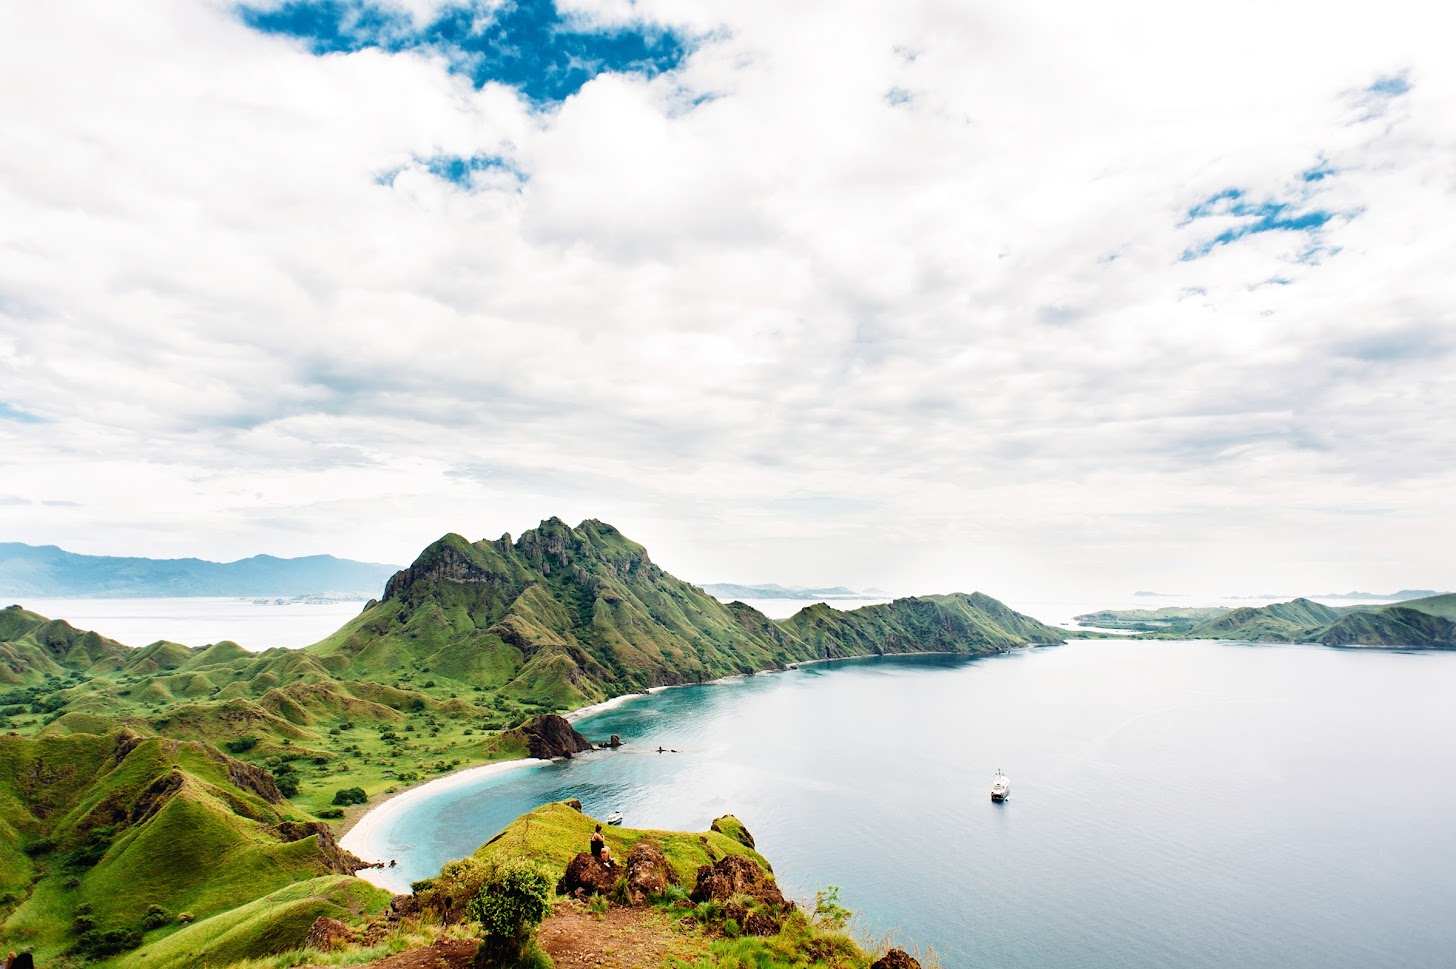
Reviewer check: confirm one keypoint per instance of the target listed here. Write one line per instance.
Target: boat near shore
(1000, 786)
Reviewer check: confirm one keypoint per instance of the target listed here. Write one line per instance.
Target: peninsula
(126, 769)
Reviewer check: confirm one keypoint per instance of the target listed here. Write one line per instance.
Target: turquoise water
(1173, 804)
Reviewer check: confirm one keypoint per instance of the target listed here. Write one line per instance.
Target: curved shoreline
(363, 836)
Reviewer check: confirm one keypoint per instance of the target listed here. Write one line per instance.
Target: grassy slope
(955, 623)
(273, 923)
(174, 824)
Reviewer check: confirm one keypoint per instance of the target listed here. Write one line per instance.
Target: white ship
(1000, 787)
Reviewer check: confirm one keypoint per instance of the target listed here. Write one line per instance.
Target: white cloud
(803, 331)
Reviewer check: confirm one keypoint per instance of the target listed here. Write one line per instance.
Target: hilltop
(45, 570)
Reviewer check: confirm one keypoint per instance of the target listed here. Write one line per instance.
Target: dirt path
(623, 938)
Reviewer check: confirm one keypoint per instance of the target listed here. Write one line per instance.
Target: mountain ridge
(51, 571)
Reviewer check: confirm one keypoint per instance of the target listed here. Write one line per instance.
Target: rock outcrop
(736, 875)
(896, 959)
(326, 934)
(549, 736)
(586, 875)
(734, 829)
(648, 872)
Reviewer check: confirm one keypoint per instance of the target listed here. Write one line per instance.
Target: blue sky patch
(1390, 86)
(1256, 217)
(526, 44)
(456, 169)
(8, 413)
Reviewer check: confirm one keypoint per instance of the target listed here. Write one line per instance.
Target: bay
(1174, 803)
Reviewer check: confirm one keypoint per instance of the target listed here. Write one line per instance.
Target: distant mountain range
(772, 590)
(1428, 622)
(1401, 596)
(45, 570)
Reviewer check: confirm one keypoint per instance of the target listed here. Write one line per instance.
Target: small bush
(350, 795)
(329, 814)
(510, 904)
(98, 944)
(827, 910)
(287, 784)
(242, 745)
(731, 929)
(42, 847)
(156, 917)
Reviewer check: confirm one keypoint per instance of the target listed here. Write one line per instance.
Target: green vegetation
(1428, 623)
(1169, 619)
(511, 902)
(102, 838)
(114, 793)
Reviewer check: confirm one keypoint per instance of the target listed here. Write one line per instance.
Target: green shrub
(349, 795)
(287, 784)
(90, 851)
(329, 814)
(510, 904)
(827, 910)
(42, 847)
(98, 943)
(156, 917)
(242, 745)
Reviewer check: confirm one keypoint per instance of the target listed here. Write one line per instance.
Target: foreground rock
(736, 875)
(648, 872)
(895, 959)
(326, 934)
(586, 875)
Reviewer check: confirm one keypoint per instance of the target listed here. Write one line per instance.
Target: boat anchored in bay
(1000, 786)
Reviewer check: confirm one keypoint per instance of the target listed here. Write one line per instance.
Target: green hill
(108, 840)
(1428, 623)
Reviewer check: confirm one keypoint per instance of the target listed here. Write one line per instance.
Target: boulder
(736, 875)
(895, 959)
(326, 934)
(648, 872)
(573, 803)
(585, 875)
(614, 743)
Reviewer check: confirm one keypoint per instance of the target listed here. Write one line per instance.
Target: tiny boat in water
(1000, 786)
(615, 817)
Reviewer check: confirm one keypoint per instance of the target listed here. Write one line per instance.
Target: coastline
(364, 836)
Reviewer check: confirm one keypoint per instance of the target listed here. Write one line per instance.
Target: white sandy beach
(367, 838)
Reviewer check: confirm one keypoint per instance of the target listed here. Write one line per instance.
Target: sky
(1045, 298)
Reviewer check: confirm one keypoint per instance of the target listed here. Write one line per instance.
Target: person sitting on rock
(599, 848)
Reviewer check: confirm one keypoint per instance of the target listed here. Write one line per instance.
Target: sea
(1183, 803)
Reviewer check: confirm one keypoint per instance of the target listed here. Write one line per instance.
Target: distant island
(1425, 623)
(1400, 596)
(772, 590)
(45, 570)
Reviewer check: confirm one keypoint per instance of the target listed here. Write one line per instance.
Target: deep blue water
(1173, 804)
